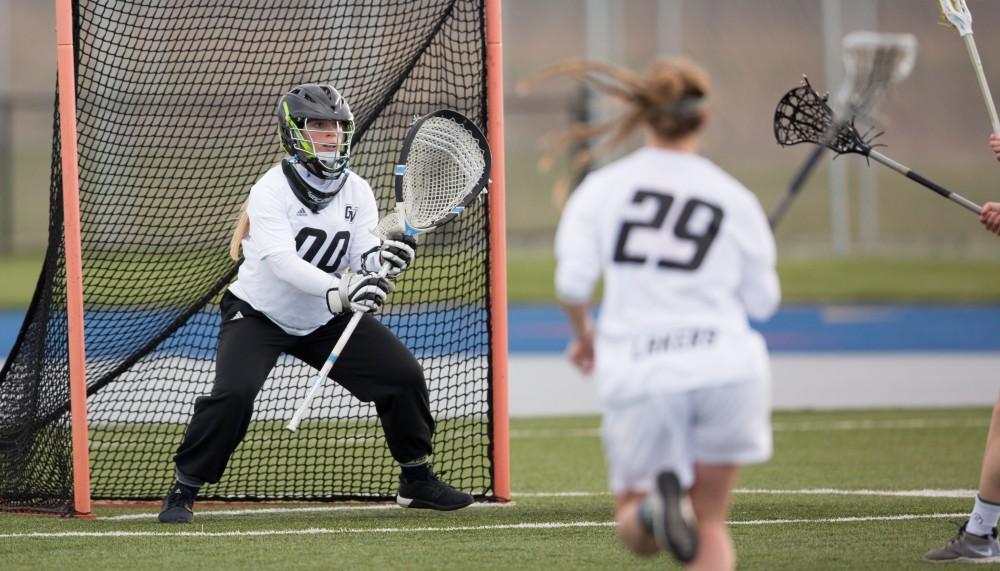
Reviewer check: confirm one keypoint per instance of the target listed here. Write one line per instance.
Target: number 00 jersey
(686, 255)
(330, 240)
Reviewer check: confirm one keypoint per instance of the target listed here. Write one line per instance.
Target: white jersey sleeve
(578, 251)
(365, 254)
(759, 288)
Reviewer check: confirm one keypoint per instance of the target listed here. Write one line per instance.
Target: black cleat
(674, 525)
(178, 505)
(432, 494)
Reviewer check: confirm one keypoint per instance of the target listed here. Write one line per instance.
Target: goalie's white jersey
(291, 253)
(686, 255)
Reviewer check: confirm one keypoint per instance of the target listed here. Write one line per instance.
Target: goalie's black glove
(364, 292)
(398, 252)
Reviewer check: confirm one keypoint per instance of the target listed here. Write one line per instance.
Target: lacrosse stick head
(444, 164)
(873, 62)
(957, 13)
(804, 116)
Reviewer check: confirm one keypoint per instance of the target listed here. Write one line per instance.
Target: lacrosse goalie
(309, 261)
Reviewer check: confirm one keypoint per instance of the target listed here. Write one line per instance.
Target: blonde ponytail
(240, 231)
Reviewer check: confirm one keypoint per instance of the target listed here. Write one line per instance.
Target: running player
(686, 255)
(976, 540)
(309, 261)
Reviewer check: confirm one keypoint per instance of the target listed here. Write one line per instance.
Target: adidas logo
(239, 315)
(302, 212)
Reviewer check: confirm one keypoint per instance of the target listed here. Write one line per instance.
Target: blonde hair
(669, 99)
(240, 231)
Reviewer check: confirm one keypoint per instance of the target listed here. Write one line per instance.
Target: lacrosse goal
(159, 134)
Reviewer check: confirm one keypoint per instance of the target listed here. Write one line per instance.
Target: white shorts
(723, 424)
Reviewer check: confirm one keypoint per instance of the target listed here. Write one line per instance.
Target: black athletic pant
(375, 367)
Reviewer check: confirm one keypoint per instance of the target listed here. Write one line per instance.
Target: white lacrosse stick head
(390, 225)
(873, 62)
(958, 14)
(445, 164)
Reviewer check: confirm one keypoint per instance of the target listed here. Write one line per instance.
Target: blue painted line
(10, 324)
(543, 329)
(812, 328)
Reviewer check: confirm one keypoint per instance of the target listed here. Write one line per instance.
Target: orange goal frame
(498, 252)
(74, 265)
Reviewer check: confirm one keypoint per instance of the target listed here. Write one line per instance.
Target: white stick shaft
(879, 157)
(317, 383)
(314, 387)
(984, 87)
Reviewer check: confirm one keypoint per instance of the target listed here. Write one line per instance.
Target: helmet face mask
(325, 141)
(316, 126)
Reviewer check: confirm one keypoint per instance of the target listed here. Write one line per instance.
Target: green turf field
(852, 279)
(794, 512)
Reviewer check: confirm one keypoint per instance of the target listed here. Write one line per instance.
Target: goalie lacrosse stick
(803, 116)
(958, 15)
(443, 166)
(873, 62)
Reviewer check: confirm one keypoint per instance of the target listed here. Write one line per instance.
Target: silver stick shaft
(914, 176)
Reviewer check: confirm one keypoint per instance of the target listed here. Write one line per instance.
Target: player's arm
(368, 253)
(577, 271)
(581, 346)
(989, 216)
(759, 289)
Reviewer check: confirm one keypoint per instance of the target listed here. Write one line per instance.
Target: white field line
(387, 506)
(804, 426)
(800, 492)
(901, 424)
(453, 529)
(881, 493)
(293, 510)
(902, 517)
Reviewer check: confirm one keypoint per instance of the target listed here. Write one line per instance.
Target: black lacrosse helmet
(321, 102)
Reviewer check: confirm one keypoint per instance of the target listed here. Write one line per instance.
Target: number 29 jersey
(330, 240)
(686, 255)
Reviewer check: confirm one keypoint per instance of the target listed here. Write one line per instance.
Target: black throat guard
(315, 200)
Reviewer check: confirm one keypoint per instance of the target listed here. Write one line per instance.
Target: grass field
(852, 279)
(845, 490)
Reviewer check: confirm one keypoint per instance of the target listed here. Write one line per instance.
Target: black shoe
(432, 494)
(674, 525)
(178, 505)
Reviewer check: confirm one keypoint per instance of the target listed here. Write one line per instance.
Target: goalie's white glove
(398, 252)
(358, 292)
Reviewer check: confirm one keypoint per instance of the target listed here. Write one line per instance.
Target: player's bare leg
(989, 475)
(976, 540)
(711, 496)
(631, 532)
(661, 520)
